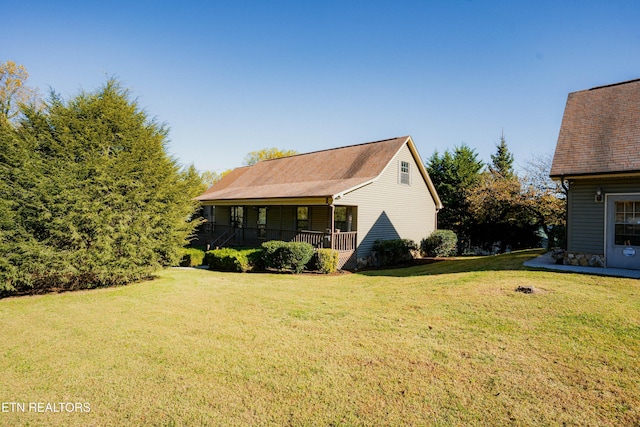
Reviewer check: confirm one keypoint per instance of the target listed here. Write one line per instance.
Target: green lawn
(449, 343)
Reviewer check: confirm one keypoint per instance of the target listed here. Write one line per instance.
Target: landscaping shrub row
(275, 255)
(229, 259)
(192, 257)
(394, 251)
(298, 256)
(440, 243)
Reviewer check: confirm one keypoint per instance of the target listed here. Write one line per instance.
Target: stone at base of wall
(583, 260)
(558, 255)
(373, 260)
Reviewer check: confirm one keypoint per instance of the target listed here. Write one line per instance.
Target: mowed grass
(449, 343)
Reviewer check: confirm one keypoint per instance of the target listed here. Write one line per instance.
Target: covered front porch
(325, 226)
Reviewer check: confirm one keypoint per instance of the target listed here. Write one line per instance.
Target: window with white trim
(302, 218)
(404, 176)
(262, 222)
(340, 218)
(237, 216)
(627, 225)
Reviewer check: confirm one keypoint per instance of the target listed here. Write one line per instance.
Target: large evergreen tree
(454, 174)
(502, 161)
(94, 193)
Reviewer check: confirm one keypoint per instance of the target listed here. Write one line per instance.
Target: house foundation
(583, 259)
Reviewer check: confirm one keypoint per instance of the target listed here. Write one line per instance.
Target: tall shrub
(440, 243)
(100, 201)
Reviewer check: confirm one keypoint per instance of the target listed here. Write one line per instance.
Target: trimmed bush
(281, 255)
(192, 257)
(298, 255)
(273, 254)
(256, 259)
(229, 259)
(394, 251)
(440, 243)
(326, 260)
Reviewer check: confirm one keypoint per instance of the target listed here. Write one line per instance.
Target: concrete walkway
(546, 261)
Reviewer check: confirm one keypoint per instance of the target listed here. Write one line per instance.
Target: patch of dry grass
(428, 345)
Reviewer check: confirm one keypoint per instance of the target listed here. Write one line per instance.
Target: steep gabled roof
(600, 132)
(320, 174)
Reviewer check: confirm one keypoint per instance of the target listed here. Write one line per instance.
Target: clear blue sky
(230, 77)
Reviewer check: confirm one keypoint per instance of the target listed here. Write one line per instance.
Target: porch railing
(314, 238)
(344, 241)
(250, 236)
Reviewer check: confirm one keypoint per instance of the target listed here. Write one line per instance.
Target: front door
(262, 223)
(237, 223)
(623, 231)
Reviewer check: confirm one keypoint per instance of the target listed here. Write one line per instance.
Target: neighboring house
(598, 154)
(343, 198)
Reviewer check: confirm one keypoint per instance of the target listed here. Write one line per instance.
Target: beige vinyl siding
(585, 225)
(273, 217)
(319, 218)
(390, 210)
(281, 217)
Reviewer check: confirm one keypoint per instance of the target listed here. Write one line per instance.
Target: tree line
(491, 207)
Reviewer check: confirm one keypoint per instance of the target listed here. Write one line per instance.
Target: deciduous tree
(545, 198)
(513, 209)
(211, 177)
(496, 203)
(254, 157)
(14, 90)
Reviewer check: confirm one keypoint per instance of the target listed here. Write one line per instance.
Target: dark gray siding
(585, 224)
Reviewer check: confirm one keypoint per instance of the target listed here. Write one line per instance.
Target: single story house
(598, 154)
(342, 198)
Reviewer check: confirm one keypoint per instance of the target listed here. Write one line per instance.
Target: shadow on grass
(510, 261)
(61, 289)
